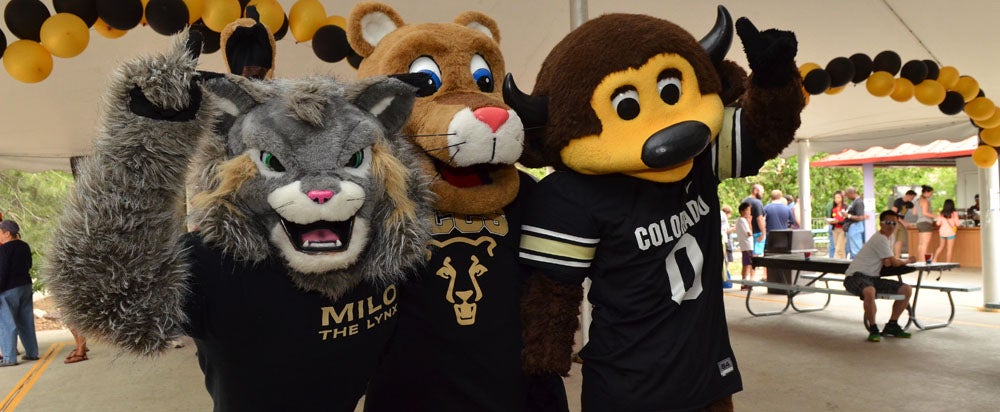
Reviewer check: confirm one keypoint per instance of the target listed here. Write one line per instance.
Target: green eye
(271, 161)
(356, 159)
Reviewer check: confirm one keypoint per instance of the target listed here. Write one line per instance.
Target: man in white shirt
(863, 278)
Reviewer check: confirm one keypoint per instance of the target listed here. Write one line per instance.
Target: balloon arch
(924, 80)
(66, 34)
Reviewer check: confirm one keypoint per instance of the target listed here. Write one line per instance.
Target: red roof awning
(906, 153)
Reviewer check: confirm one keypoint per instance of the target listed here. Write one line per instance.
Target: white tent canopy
(43, 124)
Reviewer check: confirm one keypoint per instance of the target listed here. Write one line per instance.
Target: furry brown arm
(549, 313)
(117, 269)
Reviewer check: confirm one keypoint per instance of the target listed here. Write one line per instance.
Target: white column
(577, 13)
(989, 218)
(868, 170)
(805, 182)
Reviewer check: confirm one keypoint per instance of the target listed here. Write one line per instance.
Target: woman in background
(835, 217)
(947, 221)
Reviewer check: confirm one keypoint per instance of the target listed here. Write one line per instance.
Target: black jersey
(659, 339)
(266, 345)
(458, 343)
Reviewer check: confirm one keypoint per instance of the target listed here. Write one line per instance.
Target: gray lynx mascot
(311, 211)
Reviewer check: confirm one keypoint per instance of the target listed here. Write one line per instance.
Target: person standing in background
(777, 215)
(973, 211)
(17, 317)
(757, 218)
(854, 223)
(727, 242)
(947, 221)
(744, 237)
(901, 206)
(836, 217)
(925, 221)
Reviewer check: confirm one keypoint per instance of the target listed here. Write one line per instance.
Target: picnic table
(808, 272)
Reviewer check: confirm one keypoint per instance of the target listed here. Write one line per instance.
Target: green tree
(34, 201)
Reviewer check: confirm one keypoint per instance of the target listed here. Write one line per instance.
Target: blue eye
(425, 64)
(481, 73)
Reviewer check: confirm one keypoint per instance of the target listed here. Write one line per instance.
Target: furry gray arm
(117, 268)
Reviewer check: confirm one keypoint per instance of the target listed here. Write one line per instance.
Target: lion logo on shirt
(463, 273)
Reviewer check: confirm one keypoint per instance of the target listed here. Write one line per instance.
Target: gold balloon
(305, 17)
(338, 21)
(929, 92)
(990, 136)
(984, 156)
(27, 61)
(991, 122)
(948, 76)
(968, 87)
(195, 8)
(880, 84)
(903, 90)
(218, 13)
(272, 15)
(835, 90)
(65, 35)
(805, 68)
(143, 21)
(107, 31)
(980, 108)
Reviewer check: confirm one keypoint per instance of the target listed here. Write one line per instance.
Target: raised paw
(770, 53)
(164, 86)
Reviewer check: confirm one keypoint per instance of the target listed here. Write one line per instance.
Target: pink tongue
(320, 235)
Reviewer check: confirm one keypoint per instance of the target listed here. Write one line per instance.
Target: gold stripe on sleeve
(557, 248)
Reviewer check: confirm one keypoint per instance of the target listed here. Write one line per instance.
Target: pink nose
(320, 196)
(492, 116)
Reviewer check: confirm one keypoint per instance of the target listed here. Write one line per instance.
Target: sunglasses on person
(888, 223)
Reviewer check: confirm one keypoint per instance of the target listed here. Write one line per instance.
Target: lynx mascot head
(469, 138)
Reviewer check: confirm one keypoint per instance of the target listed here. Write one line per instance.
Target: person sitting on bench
(863, 278)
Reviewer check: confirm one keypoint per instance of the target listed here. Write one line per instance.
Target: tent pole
(577, 16)
(868, 172)
(805, 185)
(577, 13)
(989, 184)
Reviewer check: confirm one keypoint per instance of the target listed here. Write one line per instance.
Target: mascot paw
(165, 87)
(770, 53)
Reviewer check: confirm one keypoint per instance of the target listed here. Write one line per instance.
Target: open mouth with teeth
(319, 237)
(465, 177)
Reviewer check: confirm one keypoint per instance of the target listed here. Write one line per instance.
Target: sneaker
(874, 335)
(30, 358)
(893, 329)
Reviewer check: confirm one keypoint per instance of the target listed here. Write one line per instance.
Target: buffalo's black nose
(675, 144)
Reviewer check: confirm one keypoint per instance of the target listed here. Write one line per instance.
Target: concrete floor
(792, 362)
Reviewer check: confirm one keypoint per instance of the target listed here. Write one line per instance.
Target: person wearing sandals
(17, 316)
(79, 353)
(947, 222)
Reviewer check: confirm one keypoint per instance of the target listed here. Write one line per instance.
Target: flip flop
(75, 358)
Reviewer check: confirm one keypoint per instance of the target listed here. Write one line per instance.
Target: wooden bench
(794, 290)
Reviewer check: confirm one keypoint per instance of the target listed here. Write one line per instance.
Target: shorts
(924, 227)
(747, 258)
(952, 237)
(900, 234)
(758, 245)
(857, 282)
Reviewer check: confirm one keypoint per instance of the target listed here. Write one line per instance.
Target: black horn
(716, 43)
(533, 110)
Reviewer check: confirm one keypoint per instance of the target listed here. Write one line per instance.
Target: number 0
(688, 244)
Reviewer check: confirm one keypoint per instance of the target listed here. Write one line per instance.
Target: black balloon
(166, 16)
(953, 103)
(841, 71)
(282, 31)
(330, 43)
(915, 71)
(210, 39)
(24, 18)
(932, 69)
(887, 61)
(862, 67)
(3, 43)
(120, 14)
(84, 9)
(816, 81)
(354, 59)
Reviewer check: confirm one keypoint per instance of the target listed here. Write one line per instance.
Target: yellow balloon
(929, 92)
(880, 84)
(990, 136)
(218, 13)
(903, 90)
(991, 122)
(948, 76)
(65, 35)
(27, 61)
(338, 21)
(305, 17)
(107, 31)
(980, 108)
(195, 8)
(143, 22)
(805, 68)
(968, 87)
(835, 90)
(984, 156)
(272, 15)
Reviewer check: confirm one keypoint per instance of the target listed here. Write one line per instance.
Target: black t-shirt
(458, 343)
(659, 339)
(902, 207)
(15, 265)
(265, 345)
(756, 211)
(856, 208)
